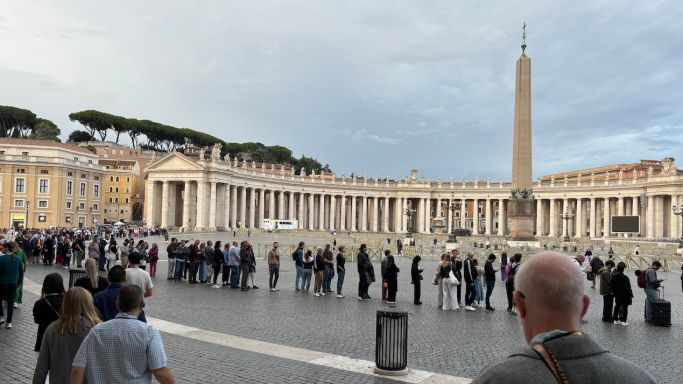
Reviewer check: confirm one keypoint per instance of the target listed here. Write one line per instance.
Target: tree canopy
(166, 138)
(22, 123)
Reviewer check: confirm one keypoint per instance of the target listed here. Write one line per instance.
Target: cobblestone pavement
(455, 343)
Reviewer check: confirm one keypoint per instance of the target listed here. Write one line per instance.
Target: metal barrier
(75, 274)
(391, 345)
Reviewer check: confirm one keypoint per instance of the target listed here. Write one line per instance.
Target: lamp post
(409, 212)
(678, 211)
(566, 216)
(453, 207)
(27, 205)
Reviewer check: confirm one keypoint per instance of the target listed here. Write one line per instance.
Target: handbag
(590, 276)
(452, 279)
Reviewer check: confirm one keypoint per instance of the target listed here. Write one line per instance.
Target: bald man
(551, 302)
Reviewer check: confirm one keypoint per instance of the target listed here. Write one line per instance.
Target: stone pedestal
(522, 214)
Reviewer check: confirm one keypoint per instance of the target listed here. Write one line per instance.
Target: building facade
(46, 183)
(122, 198)
(205, 194)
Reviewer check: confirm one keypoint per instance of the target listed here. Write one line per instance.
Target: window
(2, 152)
(44, 172)
(89, 161)
(82, 175)
(127, 190)
(81, 206)
(43, 186)
(117, 178)
(105, 210)
(111, 189)
(69, 187)
(116, 200)
(126, 200)
(68, 205)
(21, 170)
(67, 219)
(69, 174)
(97, 177)
(117, 189)
(82, 189)
(127, 179)
(42, 218)
(18, 203)
(75, 158)
(42, 203)
(95, 207)
(96, 191)
(24, 153)
(19, 185)
(111, 200)
(111, 178)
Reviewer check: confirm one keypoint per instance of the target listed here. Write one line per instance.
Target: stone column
(333, 208)
(212, 207)
(593, 216)
(271, 205)
(565, 209)
(385, 216)
(620, 206)
(502, 217)
(227, 206)
(428, 214)
(201, 206)
(187, 195)
(243, 206)
(342, 213)
(261, 207)
(281, 205)
(353, 214)
(463, 209)
(321, 212)
(579, 218)
(300, 216)
(252, 207)
(539, 217)
(488, 218)
(673, 219)
(233, 206)
(450, 217)
(404, 216)
(606, 216)
(420, 215)
(364, 215)
(151, 205)
(475, 217)
(375, 212)
(290, 212)
(311, 211)
(635, 206)
(164, 203)
(552, 232)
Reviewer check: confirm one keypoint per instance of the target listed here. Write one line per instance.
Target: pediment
(174, 161)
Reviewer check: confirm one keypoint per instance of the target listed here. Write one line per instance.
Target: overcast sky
(372, 87)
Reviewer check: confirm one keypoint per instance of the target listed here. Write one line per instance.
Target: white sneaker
(625, 324)
(216, 286)
(16, 305)
(2, 319)
(272, 290)
(359, 299)
(480, 305)
(469, 308)
(340, 296)
(316, 294)
(8, 326)
(616, 322)
(456, 308)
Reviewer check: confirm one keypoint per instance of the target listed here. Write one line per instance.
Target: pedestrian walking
(273, 267)
(392, 280)
(46, 310)
(490, 277)
(341, 271)
(64, 336)
(416, 279)
(623, 295)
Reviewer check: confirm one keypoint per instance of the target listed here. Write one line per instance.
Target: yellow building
(123, 199)
(46, 183)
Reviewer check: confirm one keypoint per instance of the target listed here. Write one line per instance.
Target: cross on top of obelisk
(523, 38)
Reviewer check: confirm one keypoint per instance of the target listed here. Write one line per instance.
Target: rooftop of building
(16, 142)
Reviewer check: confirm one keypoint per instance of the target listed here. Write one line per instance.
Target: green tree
(16, 122)
(79, 136)
(45, 130)
(95, 122)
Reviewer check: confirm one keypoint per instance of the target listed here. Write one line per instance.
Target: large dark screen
(627, 224)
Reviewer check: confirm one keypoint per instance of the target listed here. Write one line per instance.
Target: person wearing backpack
(651, 286)
(510, 280)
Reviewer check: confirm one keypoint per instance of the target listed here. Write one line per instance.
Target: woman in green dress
(16, 249)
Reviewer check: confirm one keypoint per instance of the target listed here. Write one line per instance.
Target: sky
(371, 87)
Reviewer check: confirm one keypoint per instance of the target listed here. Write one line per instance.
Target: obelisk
(521, 204)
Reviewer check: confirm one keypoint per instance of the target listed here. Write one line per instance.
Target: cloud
(363, 135)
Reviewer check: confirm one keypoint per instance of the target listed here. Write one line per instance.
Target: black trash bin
(391, 345)
(75, 274)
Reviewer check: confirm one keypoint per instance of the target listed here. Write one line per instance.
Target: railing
(51, 160)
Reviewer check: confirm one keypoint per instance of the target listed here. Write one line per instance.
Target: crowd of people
(72, 324)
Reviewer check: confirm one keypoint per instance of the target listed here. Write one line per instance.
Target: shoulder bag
(452, 279)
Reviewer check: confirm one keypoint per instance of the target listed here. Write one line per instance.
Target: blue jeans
(327, 279)
(298, 283)
(651, 295)
(234, 276)
(202, 271)
(274, 275)
(502, 272)
(489, 290)
(101, 260)
(340, 281)
(179, 269)
(306, 278)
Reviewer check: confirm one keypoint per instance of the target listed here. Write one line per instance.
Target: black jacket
(415, 273)
(489, 273)
(470, 271)
(621, 288)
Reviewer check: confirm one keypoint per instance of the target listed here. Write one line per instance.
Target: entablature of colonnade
(656, 185)
(176, 167)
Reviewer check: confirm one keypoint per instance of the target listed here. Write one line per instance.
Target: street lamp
(27, 204)
(409, 212)
(566, 216)
(453, 207)
(678, 211)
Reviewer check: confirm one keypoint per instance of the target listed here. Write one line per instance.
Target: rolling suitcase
(661, 311)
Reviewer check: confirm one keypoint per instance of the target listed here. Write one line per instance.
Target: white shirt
(139, 277)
